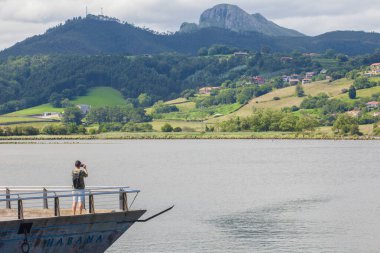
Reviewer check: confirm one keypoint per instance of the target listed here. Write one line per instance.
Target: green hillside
(37, 110)
(97, 97)
(101, 96)
(288, 98)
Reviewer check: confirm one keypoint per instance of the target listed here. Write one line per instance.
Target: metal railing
(38, 197)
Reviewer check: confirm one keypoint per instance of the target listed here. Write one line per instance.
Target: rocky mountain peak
(232, 17)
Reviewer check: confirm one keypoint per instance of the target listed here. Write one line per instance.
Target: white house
(50, 115)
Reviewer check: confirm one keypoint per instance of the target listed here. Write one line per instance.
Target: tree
(177, 129)
(167, 128)
(72, 115)
(66, 103)
(342, 57)
(55, 100)
(346, 124)
(362, 82)
(307, 123)
(134, 127)
(288, 123)
(315, 102)
(220, 49)
(278, 83)
(226, 96)
(161, 107)
(81, 90)
(145, 100)
(120, 114)
(352, 92)
(245, 95)
(203, 51)
(330, 53)
(265, 49)
(299, 91)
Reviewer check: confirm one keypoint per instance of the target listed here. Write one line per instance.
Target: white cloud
(23, 18)
(316, 25)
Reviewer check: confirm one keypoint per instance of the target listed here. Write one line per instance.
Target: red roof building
(258, 80)
(373, 104)
(375, 67)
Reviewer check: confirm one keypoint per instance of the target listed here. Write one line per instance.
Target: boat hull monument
(45, 230)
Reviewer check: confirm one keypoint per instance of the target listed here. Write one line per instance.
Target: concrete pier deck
(32, 213)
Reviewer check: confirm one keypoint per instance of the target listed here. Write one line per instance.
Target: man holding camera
(78, 175)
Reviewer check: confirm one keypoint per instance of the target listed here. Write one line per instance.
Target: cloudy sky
(20, 19)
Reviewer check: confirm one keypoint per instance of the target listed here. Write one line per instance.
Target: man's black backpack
(76, 180)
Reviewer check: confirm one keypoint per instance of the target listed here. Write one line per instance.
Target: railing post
(45, 200)
(20, 210)
(8, 196)
(91, 203)
(121, 204)
(84, 201)
(57, 211)
(123, 201)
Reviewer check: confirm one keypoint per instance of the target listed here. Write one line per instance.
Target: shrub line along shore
(186, 136)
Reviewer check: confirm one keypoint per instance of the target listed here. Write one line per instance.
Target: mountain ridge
(96, 35)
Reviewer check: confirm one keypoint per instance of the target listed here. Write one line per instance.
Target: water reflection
(271, 225)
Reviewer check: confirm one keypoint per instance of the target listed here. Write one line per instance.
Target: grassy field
(332, 89)
(365, 129)
(375, 79)
(101, 96)
(186, 106)
(39, 125)
(181, 103)
(189, 112)
(368, 92)
(37, 110)
(97, 97)
(361, 94)
(177, 101)
(17, 120)
(288, 98)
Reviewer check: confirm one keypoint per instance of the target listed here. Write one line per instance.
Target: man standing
(78, 175)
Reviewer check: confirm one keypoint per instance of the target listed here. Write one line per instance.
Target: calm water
(230, 196)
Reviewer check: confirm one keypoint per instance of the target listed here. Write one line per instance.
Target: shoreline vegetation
(189, 136)
(297, 97)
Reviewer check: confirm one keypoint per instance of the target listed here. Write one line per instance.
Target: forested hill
(93, 36)
(90, 36)
(27, 81)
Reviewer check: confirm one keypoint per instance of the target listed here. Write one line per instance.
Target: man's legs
(74, 207)
(80, 207)
(75, 202)
(81, 200)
